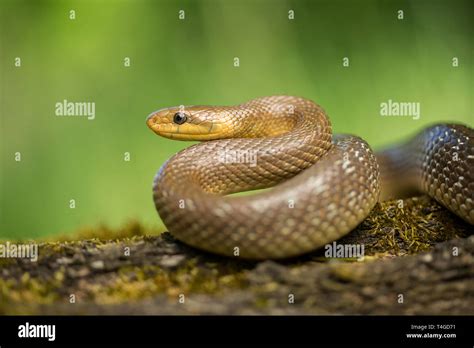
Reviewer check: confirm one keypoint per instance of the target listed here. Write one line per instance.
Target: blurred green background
(191, 61)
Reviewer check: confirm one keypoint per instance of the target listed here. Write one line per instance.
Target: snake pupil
(179, 118)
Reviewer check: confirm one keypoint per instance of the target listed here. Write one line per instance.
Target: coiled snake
(325, 186)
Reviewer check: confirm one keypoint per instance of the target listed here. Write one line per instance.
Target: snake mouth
(188, 131)
(190, 137)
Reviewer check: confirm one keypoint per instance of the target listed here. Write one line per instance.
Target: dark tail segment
(439, 161)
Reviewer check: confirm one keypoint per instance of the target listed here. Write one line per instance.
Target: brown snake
(325, 186)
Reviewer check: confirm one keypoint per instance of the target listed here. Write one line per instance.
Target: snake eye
(180, 117)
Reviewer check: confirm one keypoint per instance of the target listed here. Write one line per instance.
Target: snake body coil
(324, 187)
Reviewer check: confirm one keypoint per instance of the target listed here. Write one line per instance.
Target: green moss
(261, 302)
(134, 283)
(103, 232)
(6, 261)
(408, 226)
(66, 267)
(15, 293)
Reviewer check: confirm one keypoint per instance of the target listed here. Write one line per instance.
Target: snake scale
(324, 185)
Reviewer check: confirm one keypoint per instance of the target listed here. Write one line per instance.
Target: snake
(320, 186)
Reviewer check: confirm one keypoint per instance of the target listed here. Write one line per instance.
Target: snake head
(190, 123)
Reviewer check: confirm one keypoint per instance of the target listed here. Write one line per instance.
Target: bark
(418, 260)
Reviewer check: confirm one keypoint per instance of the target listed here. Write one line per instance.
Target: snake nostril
(151, 120)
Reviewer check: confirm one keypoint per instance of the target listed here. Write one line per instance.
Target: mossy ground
(408, 226)
(134, 270)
